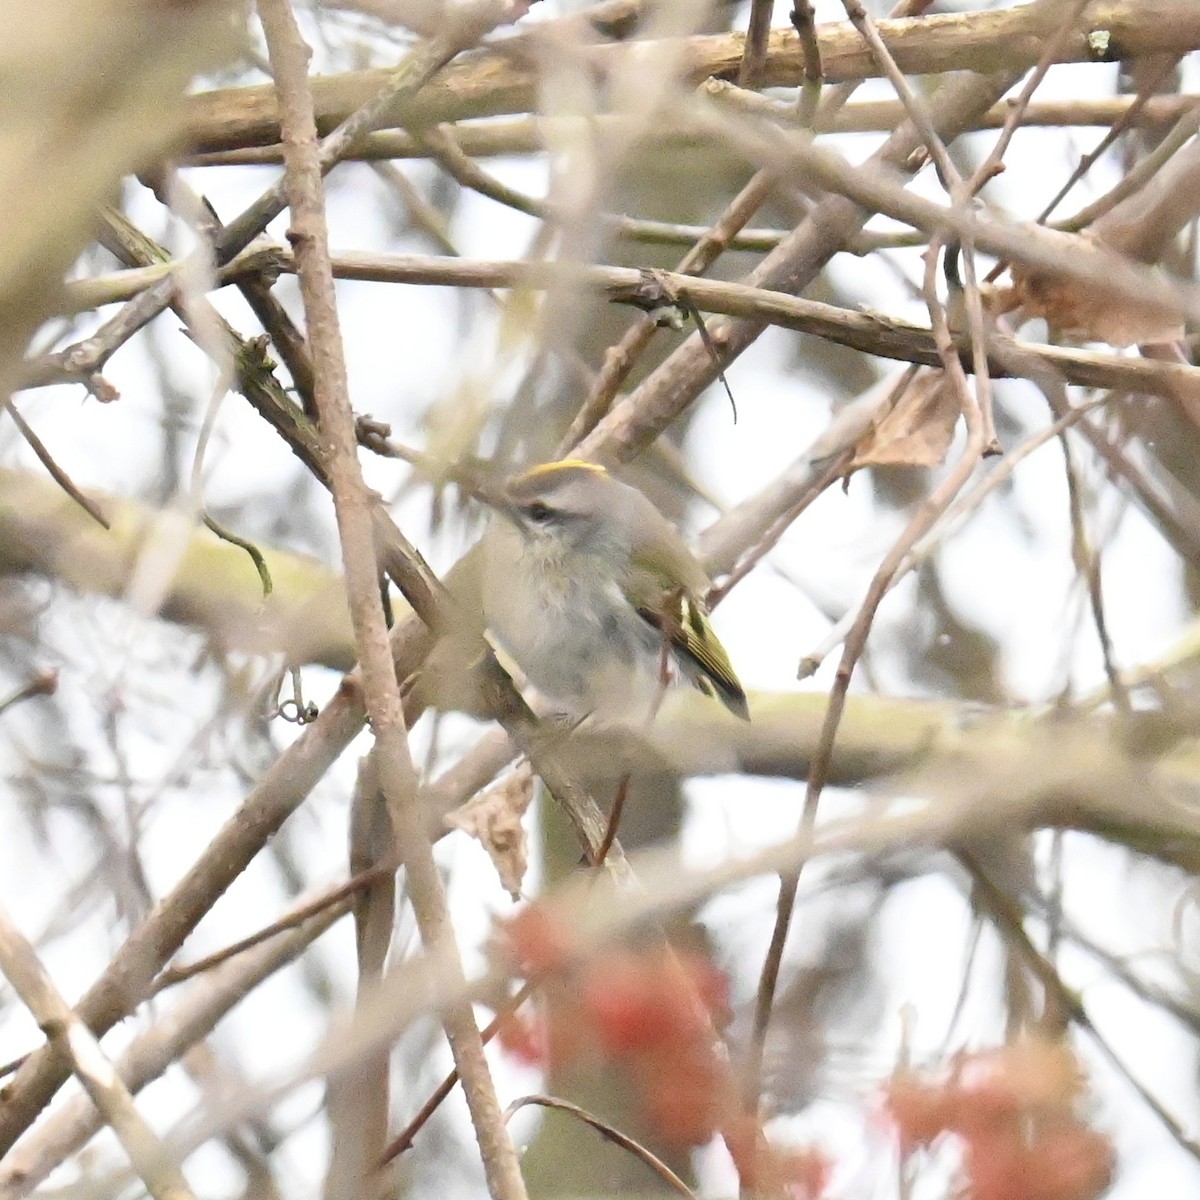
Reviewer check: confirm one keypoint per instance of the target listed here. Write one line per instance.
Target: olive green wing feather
(664, 585)
(683, 620)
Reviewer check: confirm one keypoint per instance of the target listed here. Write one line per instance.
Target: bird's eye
(538, 512)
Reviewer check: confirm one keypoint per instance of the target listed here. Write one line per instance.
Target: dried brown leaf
(1082, 312)
(915, 429)
(494, 818)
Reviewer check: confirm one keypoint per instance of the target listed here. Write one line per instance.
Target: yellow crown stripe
(551, 469)
(564, 464)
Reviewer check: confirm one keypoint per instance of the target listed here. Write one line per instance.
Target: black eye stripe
(539, 512)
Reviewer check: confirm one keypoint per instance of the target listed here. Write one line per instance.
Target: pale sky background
(1008, 569)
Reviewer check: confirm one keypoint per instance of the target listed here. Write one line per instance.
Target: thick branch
(532, 134)
(498, 81)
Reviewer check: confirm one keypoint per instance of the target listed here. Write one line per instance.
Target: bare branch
(356, 525)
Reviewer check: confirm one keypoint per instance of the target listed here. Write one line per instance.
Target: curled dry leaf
(854, 418)
(912, 429)
(1079, 311)
(494, 818)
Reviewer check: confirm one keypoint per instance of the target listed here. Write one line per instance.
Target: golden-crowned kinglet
(585, 584)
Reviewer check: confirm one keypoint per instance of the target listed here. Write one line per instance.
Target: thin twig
(1120, 122)
(1087, 563)
(804, 22)
(256, 555)
(1178, 136)
(913, 108)
(1018, 108)
(298, 916)
(404, 1139)
(754, 52)
(44, 683)
(770, 539)
(961, 193)
(359, 1099)
(922, 520)
(1181, 530)
(608, 1131)
(622, 793)
(689, 305)
(59, 476)
(952, 520)
(468, 174)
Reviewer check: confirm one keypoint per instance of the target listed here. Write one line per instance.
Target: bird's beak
(500, 503)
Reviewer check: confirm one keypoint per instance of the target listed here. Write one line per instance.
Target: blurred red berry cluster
(657, 1014)
(1014, 1111)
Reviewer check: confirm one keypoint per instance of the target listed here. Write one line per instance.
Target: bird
(591, 591)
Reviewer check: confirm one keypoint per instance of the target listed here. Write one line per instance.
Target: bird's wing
(683, 621)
